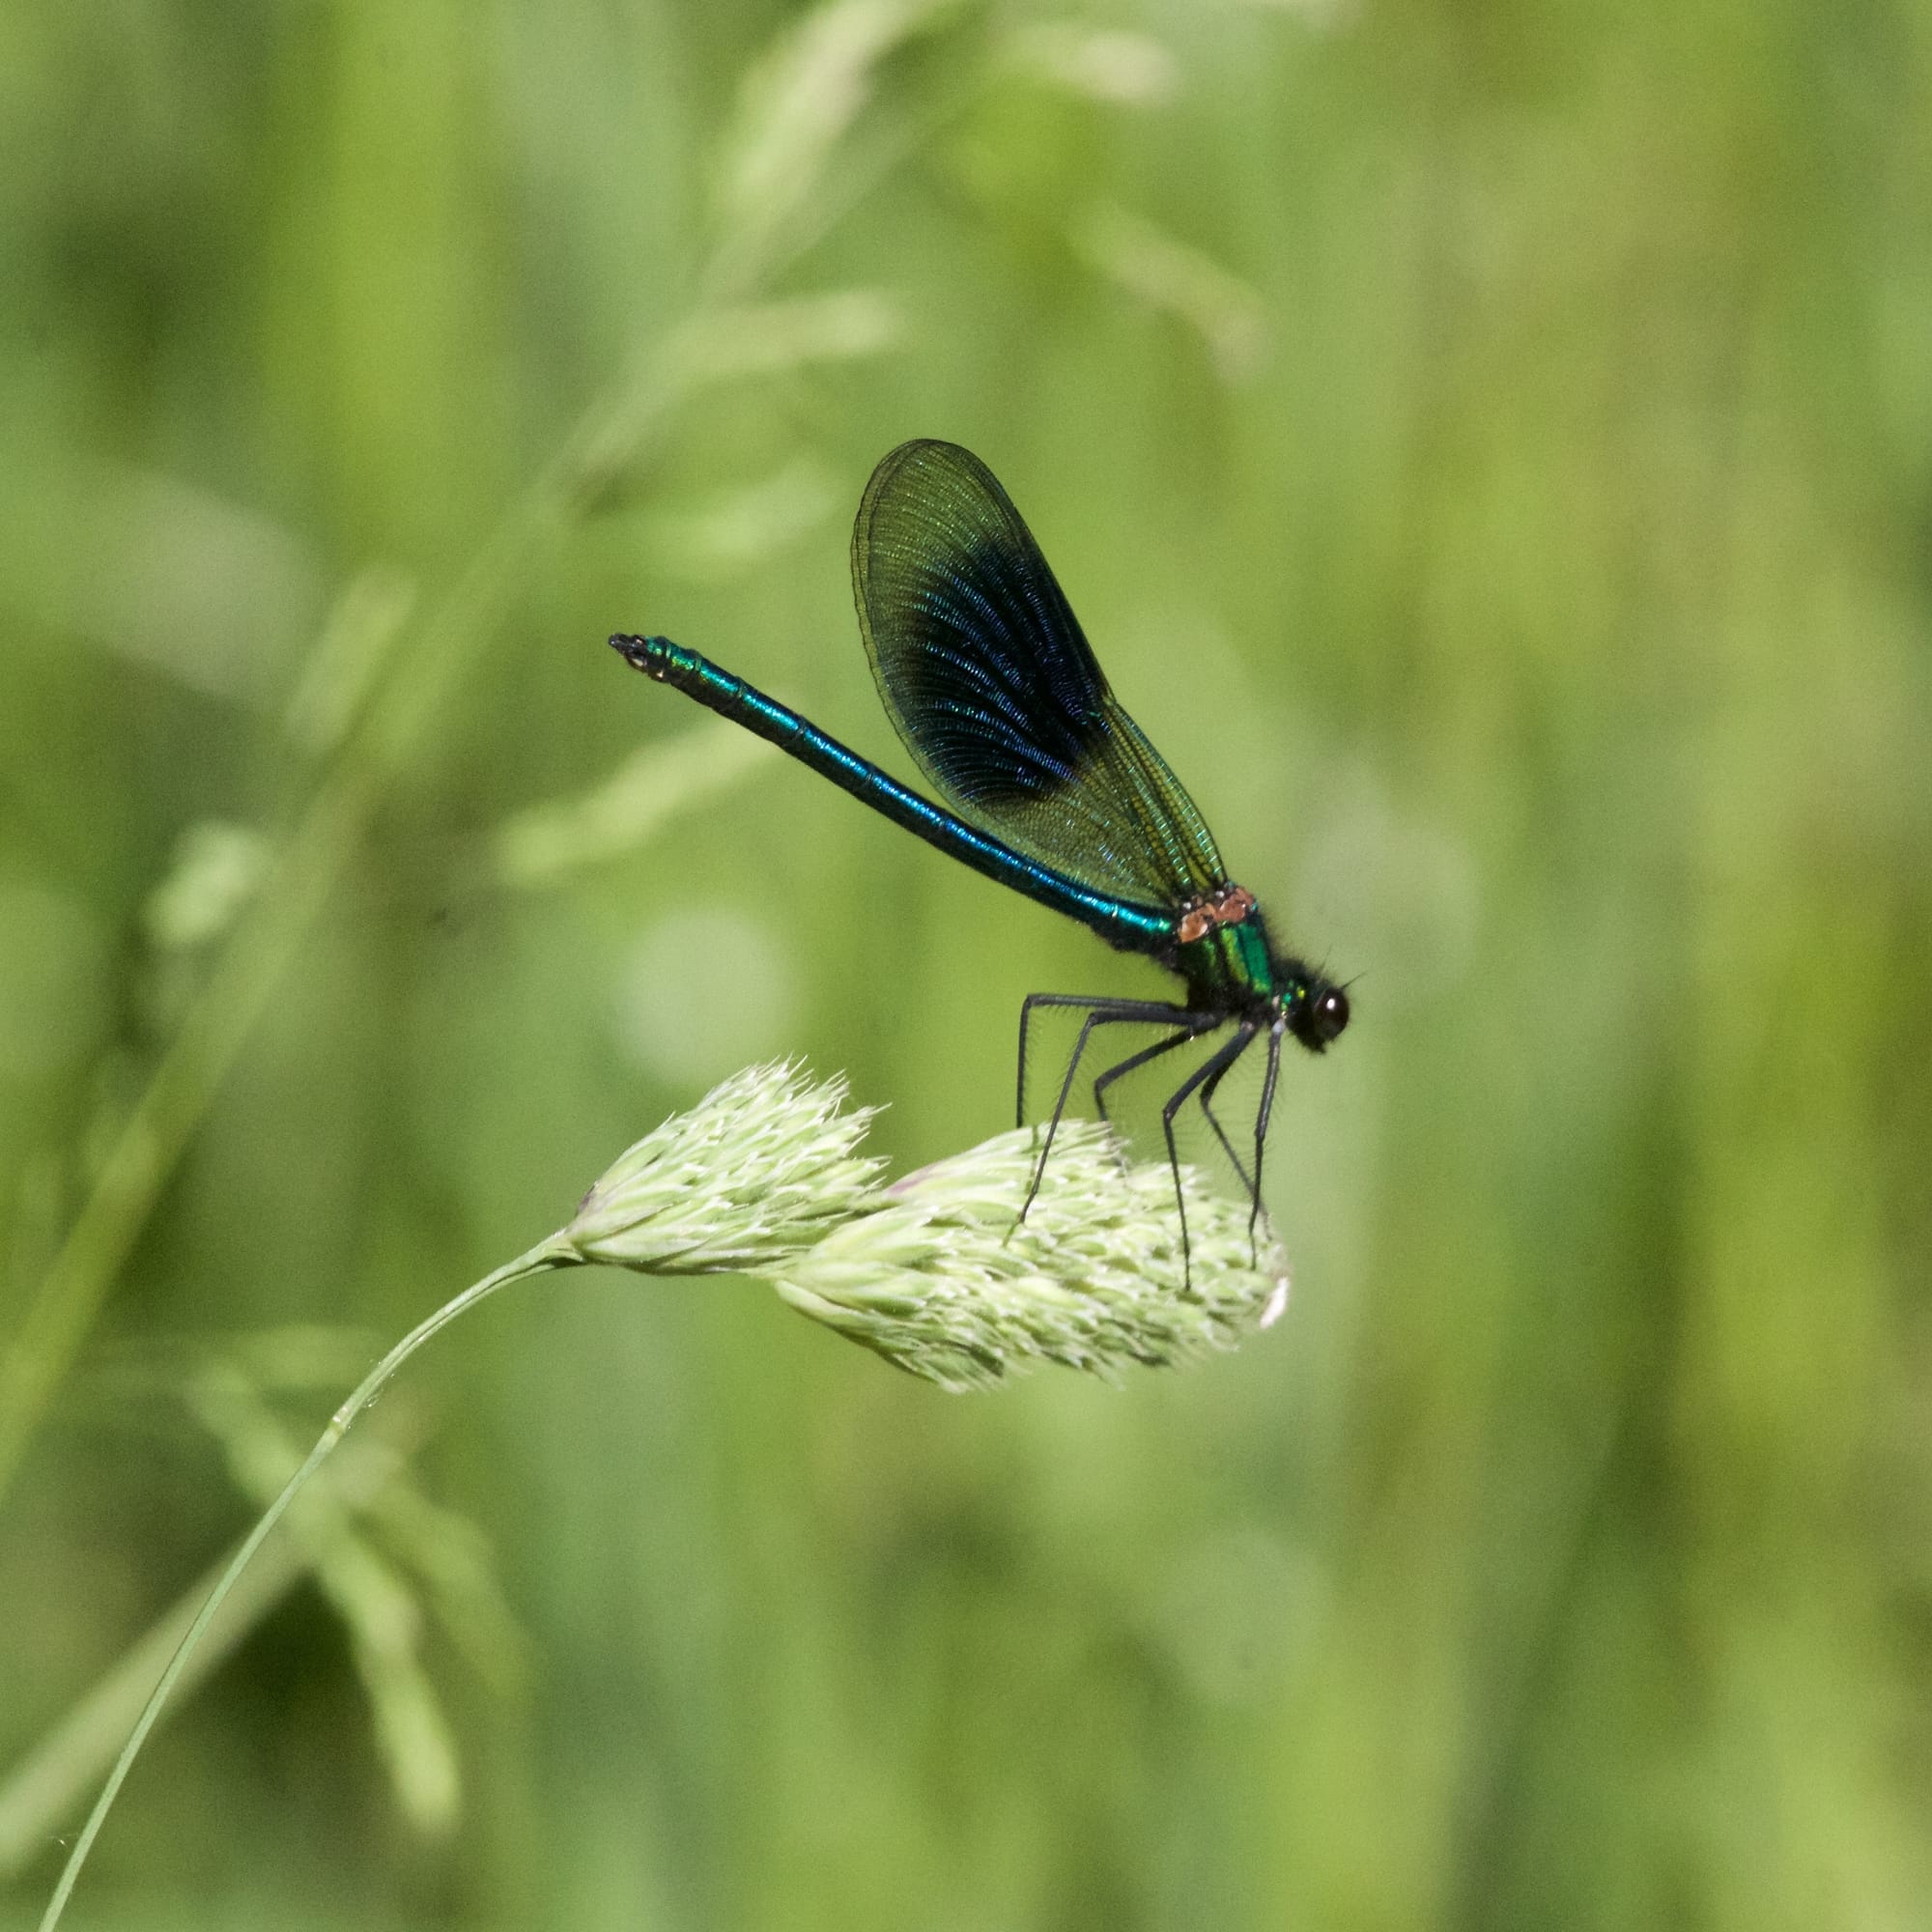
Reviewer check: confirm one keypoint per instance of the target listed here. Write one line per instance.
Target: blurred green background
(1491, 448)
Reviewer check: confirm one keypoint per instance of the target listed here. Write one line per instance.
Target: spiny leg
(1110, 1012)
(1216, 1063)
(1087, 1003)
(1094, 1019)
(1250, 1184)
(1137, 1060)
(1261, 1136)
(1220, 1133)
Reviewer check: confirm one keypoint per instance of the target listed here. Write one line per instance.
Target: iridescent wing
(994, 690)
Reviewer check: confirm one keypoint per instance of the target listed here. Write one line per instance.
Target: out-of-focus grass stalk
(796, 108)
(1153, 266)
(62, 1310)
(538, 1260)
(546, 843)
(43, 1788)
(765, 1177)
(371, 1596)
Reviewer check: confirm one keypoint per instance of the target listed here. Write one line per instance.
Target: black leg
(1210, 1068)
(1153, 1011)
(1262, 1114)
(1110, 1012)
(1137, 1060)
(1220, 1133)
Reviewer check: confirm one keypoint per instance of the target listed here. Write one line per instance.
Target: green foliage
(1487, 449)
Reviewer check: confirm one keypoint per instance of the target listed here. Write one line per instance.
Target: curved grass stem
(765, 1177)
(554, 1253)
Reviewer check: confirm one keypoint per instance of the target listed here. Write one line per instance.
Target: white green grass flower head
(766, 1164)
(944, 1279)
(937, 1272)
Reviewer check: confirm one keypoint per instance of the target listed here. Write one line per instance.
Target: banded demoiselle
(1055, 791)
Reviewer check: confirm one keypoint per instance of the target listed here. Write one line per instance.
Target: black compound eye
(1331, 1012)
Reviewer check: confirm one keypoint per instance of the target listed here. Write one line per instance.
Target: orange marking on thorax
(1230, 906)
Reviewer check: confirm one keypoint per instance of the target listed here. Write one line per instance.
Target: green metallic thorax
(1230, 970)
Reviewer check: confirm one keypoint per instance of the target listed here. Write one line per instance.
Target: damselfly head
(1317, 1012)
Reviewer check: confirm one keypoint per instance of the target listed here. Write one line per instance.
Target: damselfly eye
(1331, 1012)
